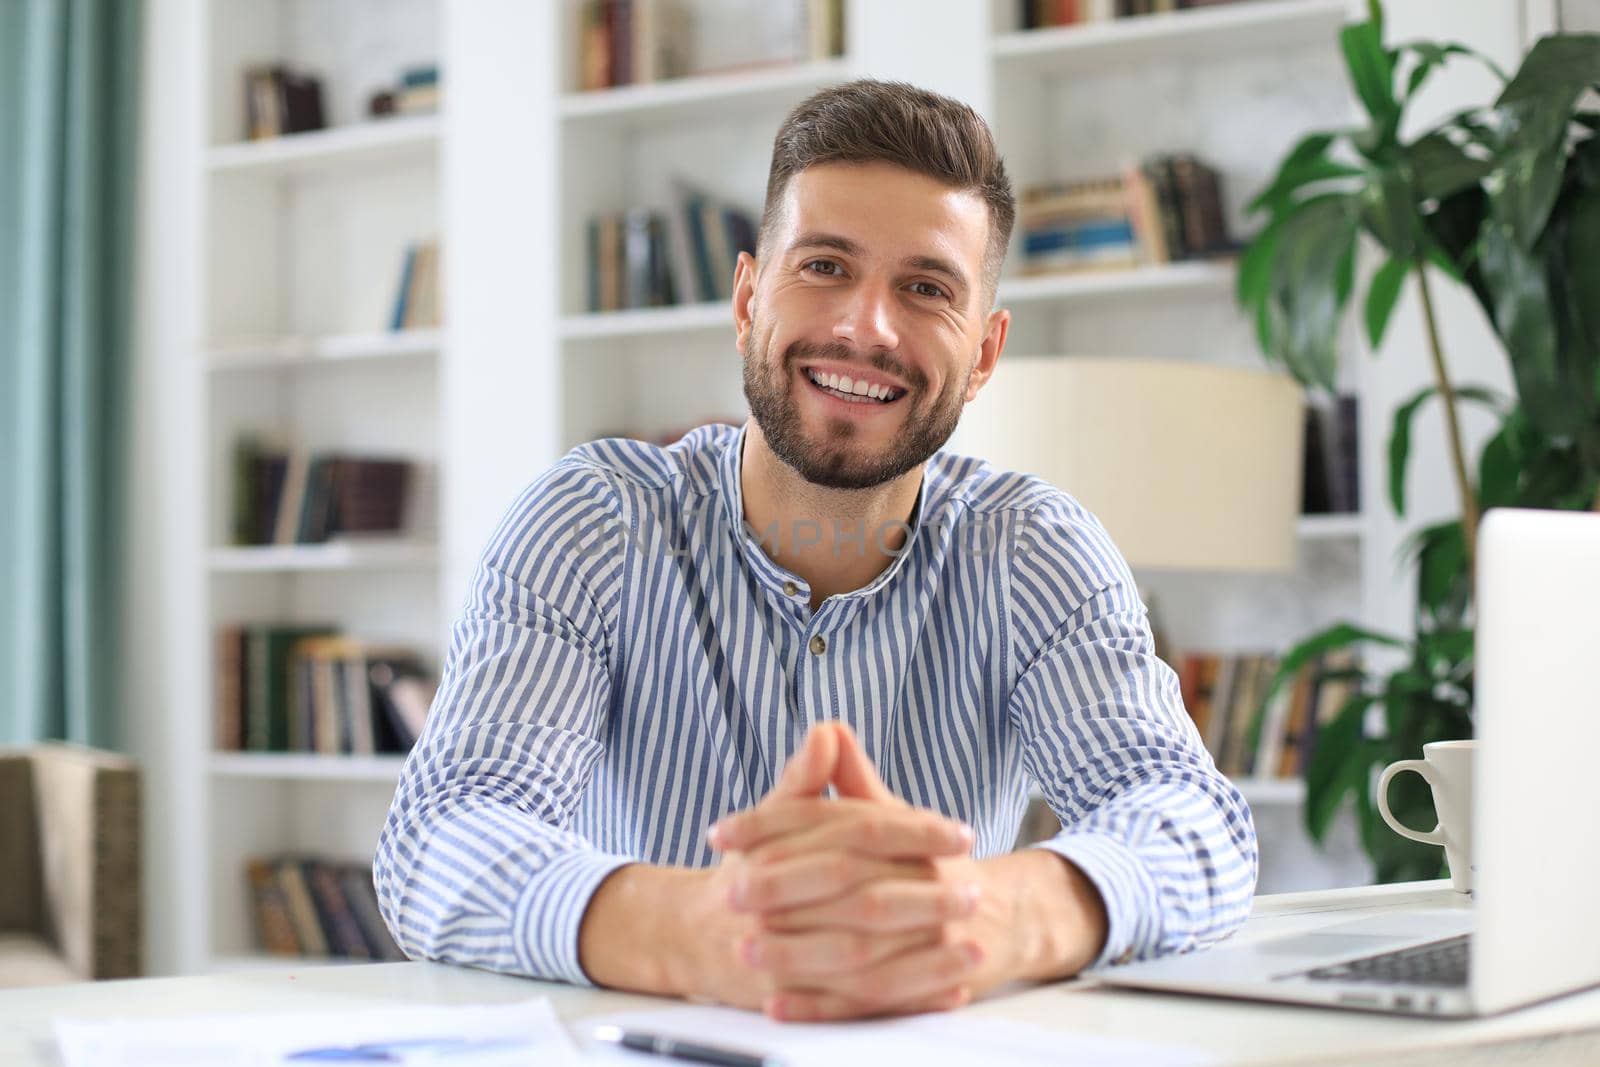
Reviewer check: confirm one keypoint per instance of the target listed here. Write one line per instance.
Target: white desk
(1561, 1031)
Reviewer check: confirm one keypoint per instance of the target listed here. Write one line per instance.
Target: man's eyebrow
(840, 243)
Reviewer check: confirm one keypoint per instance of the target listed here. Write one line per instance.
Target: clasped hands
(851, 907)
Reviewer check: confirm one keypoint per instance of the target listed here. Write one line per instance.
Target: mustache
(880, 361)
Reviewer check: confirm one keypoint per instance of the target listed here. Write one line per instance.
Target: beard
(832, 457)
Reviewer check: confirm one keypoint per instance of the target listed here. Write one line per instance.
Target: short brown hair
(869, 121)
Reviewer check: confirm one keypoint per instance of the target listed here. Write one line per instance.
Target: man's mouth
(841, 387)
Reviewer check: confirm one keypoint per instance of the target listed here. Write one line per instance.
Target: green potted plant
(1505, 200)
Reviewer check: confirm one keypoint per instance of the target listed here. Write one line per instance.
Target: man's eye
(823, 263)
(928, 289)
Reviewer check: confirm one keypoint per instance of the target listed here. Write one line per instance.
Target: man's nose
(866, 321)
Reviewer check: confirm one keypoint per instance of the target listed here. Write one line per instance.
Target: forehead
(887, 208)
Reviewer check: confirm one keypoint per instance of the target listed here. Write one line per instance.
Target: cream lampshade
(1190, 466)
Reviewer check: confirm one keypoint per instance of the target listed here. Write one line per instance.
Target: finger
(875, 829)
(810, 878)
(854, 775)
(910, 977)
(793, 958)
(878, 831)
(808, 1006)
(881, 906)
(811, 769)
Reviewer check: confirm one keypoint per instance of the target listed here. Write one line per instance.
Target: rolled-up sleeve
(474, 864)
(1164, 836)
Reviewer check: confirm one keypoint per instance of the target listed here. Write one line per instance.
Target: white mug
(1447, 765)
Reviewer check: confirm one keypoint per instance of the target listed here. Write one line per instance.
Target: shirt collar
(732, 489)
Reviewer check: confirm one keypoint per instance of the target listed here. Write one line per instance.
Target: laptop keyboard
(1439, 964)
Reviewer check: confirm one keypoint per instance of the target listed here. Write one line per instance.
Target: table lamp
(1191, 466)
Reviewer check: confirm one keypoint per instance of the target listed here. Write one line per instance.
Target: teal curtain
(68, 158)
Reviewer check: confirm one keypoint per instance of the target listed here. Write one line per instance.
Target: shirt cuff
(550, 913)
(1132, 901)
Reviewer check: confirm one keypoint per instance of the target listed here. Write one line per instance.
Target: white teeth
(842, 384)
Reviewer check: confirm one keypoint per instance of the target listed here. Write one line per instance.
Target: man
(751, 718)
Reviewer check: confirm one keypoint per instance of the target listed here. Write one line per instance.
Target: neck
(838, 540)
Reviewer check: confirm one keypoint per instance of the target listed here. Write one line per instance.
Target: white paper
(499, 1035)
(955, 1039)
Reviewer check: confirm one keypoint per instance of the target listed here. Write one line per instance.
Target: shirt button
(790, 589)
(819, 644)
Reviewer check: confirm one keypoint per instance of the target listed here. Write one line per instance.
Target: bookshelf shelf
(706, 94)
(1332, 527)
(329, 151)
(1151, 39)
(1199, 276)
(337, 349)
(642, 322)
(1169, 278)
(295, 766)
(334, 556)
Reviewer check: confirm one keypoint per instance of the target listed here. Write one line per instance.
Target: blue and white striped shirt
(630, 666)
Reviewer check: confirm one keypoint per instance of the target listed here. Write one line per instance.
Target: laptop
(1530, 930)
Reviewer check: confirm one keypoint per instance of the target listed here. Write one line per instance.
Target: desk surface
(1564, 1030)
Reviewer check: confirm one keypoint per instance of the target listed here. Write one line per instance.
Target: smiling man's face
(866, 329)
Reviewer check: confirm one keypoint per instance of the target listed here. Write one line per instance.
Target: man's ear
(745, 273)
(994, 341)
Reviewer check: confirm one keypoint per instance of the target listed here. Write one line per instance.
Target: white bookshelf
(275, 320)
(301, 242)
(1083, 101)
(292, 324)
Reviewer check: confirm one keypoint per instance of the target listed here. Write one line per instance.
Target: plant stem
(1447, 393)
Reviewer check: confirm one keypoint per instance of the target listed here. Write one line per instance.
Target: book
(421, 287)
(1169, 208)
(300, 497)
(339, 926)
(1331, 478)
(356, 882)
(824, 28)
(275, 929)
(397, 317)
(281, 101)
(289, 873)
(229, 689)
(403, 692)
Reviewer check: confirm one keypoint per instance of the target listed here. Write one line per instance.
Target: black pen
(678, 1049)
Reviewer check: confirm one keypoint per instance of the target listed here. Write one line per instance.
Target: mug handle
(1432, 837)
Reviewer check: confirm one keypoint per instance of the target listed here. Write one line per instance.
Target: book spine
(257, 725)
(397, 318)
(595, 54)
(343, 932)
(275, 930)
(291, 879)
(363, 900)
(229, 690)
